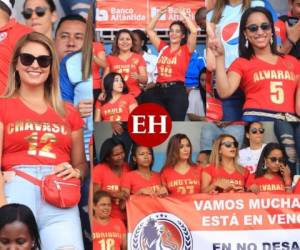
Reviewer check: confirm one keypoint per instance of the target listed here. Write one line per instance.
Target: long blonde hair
(220, 6)
(51, 85)
(215, 157)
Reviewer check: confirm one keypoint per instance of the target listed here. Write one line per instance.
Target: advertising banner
(224, 221)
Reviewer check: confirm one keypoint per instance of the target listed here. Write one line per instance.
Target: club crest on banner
(161, 231)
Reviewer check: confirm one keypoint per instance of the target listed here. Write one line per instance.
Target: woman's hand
(254, 189)
(162, 191)
(286, 174)
(163, 10)
(66, 171)
(117, 128)
(101, 96)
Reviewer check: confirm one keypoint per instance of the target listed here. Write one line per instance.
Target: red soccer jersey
(9, 35)
(236, 178)
(135, 182)
(297, 187)
(181, 184)
(32, 138)
(273, 185)
(108, 236)
(97, 48)
(172, 65)
(117, 111)
(109, 181)
(268, 87)
(126, 68)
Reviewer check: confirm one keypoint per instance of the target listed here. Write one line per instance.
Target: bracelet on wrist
(291, 42)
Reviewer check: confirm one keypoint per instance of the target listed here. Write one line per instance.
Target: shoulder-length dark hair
(108, 83)
(115, 48)
(184, 31)
(107, 148)
(143, 37)
(17, 212)
(248, 52)
(173, 150)
(261, 170)
(134, 148)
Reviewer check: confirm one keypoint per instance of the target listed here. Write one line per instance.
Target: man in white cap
(10, 32)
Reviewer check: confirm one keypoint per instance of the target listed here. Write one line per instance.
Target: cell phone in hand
(292, 20)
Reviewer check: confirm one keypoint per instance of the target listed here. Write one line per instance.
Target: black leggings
(174, 99)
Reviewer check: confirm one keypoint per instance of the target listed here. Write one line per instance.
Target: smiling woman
(40, 15)
(268, 79)
(40, 136)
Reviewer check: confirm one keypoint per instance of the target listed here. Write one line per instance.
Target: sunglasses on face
(275, 159)
(28, 59)
(254, 27)
(230, 144)
(39, 11)
(257, 130)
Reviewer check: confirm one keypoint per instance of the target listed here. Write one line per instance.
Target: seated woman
(108, 232)
(180, 175)
(270, 80)
(18, 227)
(108, 173)
(118, 104)
(224, 174)
(249, 156)
(142, 180)
(272, 173)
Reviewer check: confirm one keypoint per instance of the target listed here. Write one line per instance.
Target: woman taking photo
(125, 61)
(223, 174)
(249, 156)
(108, 173)
(142, 180)
(40, 15)
(118, 104)
(172, 64)
(18, 228)
(180, 175)
(42, 136)
(272, 173)
(108, 232)
(268, 79)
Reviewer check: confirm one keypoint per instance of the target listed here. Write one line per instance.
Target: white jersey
(248, 158)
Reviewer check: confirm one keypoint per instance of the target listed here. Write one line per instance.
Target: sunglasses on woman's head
(39, 11)
(275, 159)
(28, 59)
(230, 144)
(254, 27)
(257, 130)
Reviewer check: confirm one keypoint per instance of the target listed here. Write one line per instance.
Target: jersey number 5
(276, 91)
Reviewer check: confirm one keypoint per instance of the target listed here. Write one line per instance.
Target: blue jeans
(288, 135)
(59, 228)
(210, 131)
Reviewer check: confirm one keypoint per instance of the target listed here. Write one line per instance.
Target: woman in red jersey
(142, 180)
(108, 232)
(272, 174)
(125, 61)
(223, 174)
(269, 79)
(118, 104)
(180, 175)
(40, 135)
(108, 173)
(172, 64)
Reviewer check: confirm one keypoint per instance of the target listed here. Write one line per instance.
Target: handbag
(214, 108)
(54, 190)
